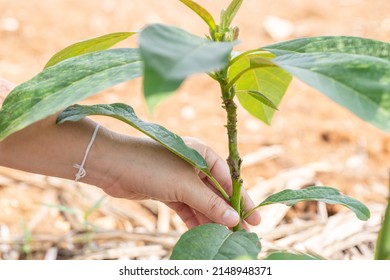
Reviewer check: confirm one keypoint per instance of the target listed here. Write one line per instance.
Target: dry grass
(75, 221)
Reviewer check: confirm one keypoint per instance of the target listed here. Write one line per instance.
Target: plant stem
(228, 92)
(233, 160)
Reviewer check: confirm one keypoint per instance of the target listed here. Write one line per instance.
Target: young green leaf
(382, 250)
(87, 46)
(228, 15)
(202, 12)
(170, 55)
(125, 113)
(64, 84)
(255, 75)
(216, 242)
(324, 194)
(353, 72)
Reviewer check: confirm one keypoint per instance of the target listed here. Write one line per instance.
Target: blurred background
(311, 141)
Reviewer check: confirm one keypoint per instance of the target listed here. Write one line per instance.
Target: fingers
(254, 219)
(197, 217)
(210, 204)
(220, 171)
(190, 217)
(193, 218)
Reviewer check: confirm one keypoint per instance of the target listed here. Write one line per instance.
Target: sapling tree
(354, 72)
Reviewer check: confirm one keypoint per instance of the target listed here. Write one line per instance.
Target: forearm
(50, 149)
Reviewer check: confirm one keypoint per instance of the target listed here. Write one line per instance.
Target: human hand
(146, 170)
(126, 167)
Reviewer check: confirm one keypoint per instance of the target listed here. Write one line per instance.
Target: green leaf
(324, 194)
(336, 44)
(353, 72)
(216, 242)
(228, 15)
(87, 46)
(255, 59)
(260, 97)
(382, 250)
(291, 256)
(202, 12)
(170, 55)
(125, 113)
(64, 84)
(258, 75)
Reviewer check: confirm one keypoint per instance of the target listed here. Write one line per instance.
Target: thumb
(211, 205)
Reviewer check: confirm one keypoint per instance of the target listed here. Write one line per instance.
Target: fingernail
(230, 218)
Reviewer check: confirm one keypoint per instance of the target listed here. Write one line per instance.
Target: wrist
(101, 163)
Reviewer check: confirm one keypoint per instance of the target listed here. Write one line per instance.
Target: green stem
(243, 54)
(233, 160)
(250, 212)
(219, 187)
(382, 251)
(228, 93)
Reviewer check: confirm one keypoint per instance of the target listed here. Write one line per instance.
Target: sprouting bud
(231, 34)
(228, 36)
